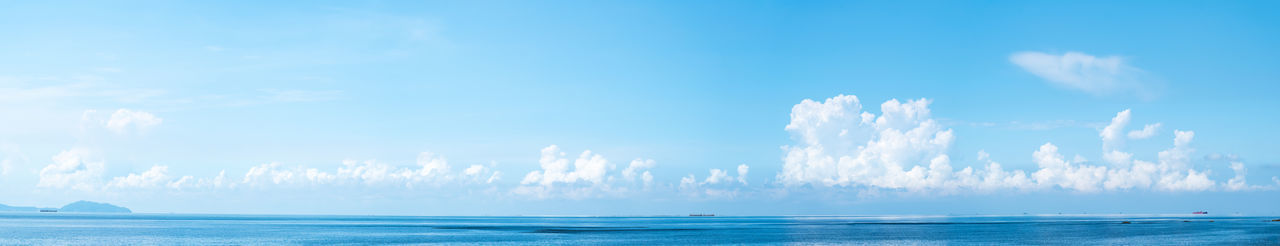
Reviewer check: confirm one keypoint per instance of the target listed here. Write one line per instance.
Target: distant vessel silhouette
(701, 215)
(1199, 212)
(48, 210)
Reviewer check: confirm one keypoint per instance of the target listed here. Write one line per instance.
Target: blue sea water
(186, 229)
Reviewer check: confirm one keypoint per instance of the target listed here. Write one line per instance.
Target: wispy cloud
(68, 89)
(1084, 72)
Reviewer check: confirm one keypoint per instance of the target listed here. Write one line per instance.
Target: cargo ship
(701, 215)
(1199, 212)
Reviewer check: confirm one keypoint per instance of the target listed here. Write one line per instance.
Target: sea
(197, 229)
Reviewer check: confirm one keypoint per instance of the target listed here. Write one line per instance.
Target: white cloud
(1112, 137)
(587, 177)
(689, 182)
(1117, 158)
(716, 177)
(639, 167)
(431, 170)
(993, 176)
(1054, 170)
(494, 177)
(76, 168)
(839, 145)
(124, 120)
(1084, 72)
(1238, 182)
(1146, 132)
(588, 168)
(904, 149)
(742, 173)
(718, 184)
(157, 176)
(475, 172)
(1172, 171)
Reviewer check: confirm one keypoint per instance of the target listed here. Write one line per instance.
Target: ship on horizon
(1200, 212)
(702, 215)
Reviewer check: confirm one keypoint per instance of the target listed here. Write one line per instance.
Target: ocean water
(186, 229)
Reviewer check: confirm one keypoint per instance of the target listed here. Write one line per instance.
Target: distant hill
(76, 207)
(93, 207)
(7, 208)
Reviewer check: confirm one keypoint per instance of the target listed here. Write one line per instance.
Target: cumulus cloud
(586, 177)
(839, 145)
(124, 120)
(1238, 182)
(1055, 170)
(590, 175)
(1113, 138)
(1171, 172)
(993, 176)
(1084, 72)
(718, 183)
(639, 167)
(476, 172)
(473, 170)
(156, 177)
(76, 168)
(689, 182)
(431, 169)
(1111, 135)
(716, 177)
(1146, 132)
(742, 173)
(588, 168)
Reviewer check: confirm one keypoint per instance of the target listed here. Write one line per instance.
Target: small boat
(48, 210)
(701, 215)
(1199, 212)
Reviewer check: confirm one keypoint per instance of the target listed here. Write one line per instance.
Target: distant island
(75, 207)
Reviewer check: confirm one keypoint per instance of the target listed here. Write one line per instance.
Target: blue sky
(465, 108)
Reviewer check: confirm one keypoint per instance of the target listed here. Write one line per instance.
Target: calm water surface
(168, 229)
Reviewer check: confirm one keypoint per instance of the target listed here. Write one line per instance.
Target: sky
(642, 107)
